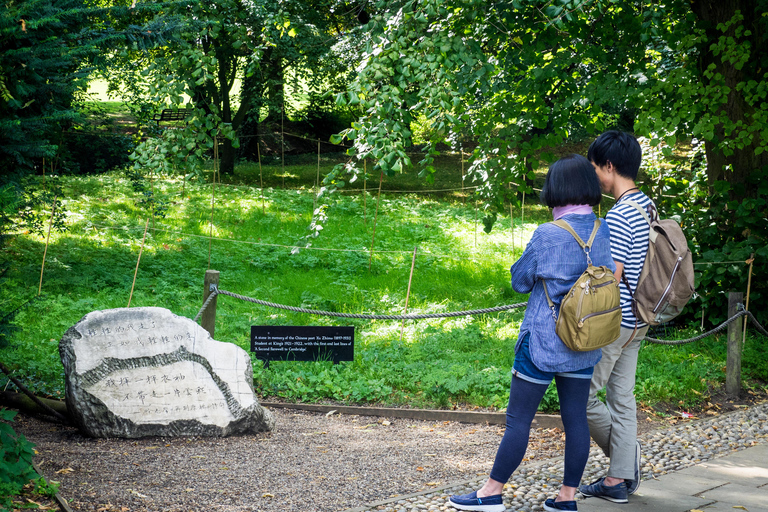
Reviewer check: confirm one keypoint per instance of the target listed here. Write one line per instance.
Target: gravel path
(331, 463)
(664, 451)
(309, 462)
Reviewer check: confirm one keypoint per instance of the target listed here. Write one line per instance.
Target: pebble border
(664, 451)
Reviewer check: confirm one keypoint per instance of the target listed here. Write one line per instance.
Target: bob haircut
(619, 148)
(571, 180)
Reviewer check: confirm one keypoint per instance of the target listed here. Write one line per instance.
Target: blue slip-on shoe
(615, 493)
(472, 502)
(553, 506)
(632, 485)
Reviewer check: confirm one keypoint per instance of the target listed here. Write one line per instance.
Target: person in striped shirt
(616, 157)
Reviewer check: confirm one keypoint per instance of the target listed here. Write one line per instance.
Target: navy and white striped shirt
(629, 245)
(553, 254)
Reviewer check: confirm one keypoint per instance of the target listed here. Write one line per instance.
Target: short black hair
(571, 180)
(619, 148)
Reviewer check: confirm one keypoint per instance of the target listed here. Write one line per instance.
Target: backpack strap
(586, 246)
(647, 216)
(549, 301)
(652, 239)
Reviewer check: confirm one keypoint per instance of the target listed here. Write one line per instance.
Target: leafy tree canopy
(222, 44)
(521, 77)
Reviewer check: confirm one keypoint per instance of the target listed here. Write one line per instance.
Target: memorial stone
(146, 372)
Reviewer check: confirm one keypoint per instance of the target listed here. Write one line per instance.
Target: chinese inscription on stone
(145, 371)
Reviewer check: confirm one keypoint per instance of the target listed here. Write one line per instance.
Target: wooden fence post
(208, 320)
(733, 361)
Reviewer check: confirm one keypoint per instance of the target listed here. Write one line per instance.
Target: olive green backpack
(590, 313)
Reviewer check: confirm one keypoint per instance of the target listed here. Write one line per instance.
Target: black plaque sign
(302, 343)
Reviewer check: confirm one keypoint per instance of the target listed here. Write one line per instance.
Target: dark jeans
(524, 399)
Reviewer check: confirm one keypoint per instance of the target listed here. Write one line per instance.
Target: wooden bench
(170, 115)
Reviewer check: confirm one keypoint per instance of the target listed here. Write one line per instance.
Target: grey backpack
(666, 281)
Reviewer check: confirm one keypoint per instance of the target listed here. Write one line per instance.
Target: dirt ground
(312, 461)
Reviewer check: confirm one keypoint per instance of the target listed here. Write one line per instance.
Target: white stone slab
(145, 371)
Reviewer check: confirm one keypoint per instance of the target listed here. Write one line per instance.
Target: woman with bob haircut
(571, 189)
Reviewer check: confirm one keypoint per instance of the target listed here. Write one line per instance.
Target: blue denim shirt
(553, 254)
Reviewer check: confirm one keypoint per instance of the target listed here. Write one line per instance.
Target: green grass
(91, 267)
(427, 363)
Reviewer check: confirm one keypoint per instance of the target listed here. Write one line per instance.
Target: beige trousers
(613, 424)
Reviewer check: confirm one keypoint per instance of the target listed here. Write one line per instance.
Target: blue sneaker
(616, 493)
(553, 506)
(472, 502)
(632, 485)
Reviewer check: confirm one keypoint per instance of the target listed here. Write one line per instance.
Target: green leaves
(15, 456)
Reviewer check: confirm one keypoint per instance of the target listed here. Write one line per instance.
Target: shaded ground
(310, 462)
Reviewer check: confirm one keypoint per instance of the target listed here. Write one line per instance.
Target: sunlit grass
(256, 231)
(457, 267)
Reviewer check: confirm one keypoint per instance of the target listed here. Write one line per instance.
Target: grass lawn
(463, 361)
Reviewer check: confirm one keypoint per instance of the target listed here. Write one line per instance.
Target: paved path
(710, 465)
(735, 482)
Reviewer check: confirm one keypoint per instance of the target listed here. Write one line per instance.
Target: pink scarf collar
(579, 209)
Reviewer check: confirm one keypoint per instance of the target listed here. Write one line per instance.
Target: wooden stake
(475, 223)
(208, 320)
(522, 220)
(733, 357)
(317, 180)
(152, 190)
(135, 272)
(261, 179)
(751, 260)
(463, 197)
(375, 217)
(47, 239)
(408, 293)
(365, 191)
(282, 138)
(213, 200)
(511, 216)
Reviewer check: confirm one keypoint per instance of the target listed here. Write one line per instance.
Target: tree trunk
(28, 406)
(737, 167)
(275, 88)
(253, 93)
(226, 157)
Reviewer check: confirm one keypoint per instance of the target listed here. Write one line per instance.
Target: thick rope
(739, 314)
(757, 325)
(742, 312)
(355, 315)
(212, 296)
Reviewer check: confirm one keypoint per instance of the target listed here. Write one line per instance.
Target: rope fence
(413, 316)
(323, 249)
(452, 314)
(291, 247)
(742, 312)
(735, 345)
(282, 134)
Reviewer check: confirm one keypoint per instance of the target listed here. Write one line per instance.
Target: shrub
(95, 153)
(16, 453)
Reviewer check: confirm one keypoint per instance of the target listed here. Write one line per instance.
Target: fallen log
(28, 406)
